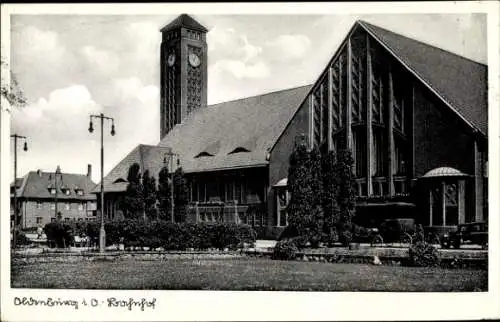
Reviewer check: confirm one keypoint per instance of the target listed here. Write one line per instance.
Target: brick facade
(40, 212)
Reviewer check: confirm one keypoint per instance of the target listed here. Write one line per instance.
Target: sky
(70, 66)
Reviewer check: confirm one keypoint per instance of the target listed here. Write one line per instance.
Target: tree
(346, 196)
(149, 186)
(331, 211)
(315, 223)
(299, 186)
(163, 194)
(133, 202)
(11, 91)
(181, 195)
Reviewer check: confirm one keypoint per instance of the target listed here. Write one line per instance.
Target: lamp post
(25, 148)
(102, 117)
(57, 173)
(171, 155)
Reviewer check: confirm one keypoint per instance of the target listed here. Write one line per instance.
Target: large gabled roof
(460, 82)
(207, 139)
(185, 21)
(37, 184)
(229, 135)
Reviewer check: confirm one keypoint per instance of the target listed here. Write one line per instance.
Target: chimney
(39, 172)
(89, 171)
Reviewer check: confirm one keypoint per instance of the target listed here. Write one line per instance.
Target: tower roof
(185, 21)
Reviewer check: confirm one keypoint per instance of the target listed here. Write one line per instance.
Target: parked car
(398, 230)
(475, 233)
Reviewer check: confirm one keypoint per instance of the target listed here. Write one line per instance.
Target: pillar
(369, 129)
(478, 182)
(349, 96)
(461, 201)
(390, 135)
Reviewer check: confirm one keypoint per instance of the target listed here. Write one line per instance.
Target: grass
(243, 274)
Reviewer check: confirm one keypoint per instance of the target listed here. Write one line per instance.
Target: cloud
(104, 61)
(240, 69)
(228, 44)
(288, 47)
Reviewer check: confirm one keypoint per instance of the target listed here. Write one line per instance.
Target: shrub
(345, 237)
(21, 239)
(285, 250)
(423, 254)
(59, 234)
(269, 232)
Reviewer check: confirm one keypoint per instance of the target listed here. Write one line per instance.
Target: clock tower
(183, 71)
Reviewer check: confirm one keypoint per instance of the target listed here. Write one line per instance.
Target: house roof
(252, 124)
(460, 82)
(185, 21)
(149, 157)
(37, 184)
(205, 139)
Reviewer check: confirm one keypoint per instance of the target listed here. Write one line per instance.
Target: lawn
(243, 274)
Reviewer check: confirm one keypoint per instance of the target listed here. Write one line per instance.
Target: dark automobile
(398, 230)
(475, 233)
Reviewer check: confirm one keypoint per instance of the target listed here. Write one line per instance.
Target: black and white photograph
(161, 155)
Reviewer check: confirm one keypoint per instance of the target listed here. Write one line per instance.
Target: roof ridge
(368, 24)
(258, 95)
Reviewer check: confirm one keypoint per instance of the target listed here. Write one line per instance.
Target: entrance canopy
(444, 172)
(282, 183)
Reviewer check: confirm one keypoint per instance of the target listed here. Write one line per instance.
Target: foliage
(346, 196)
(181, 195)
(331, 209)
(419, 234)
(315, 221)
(11, 91)
(346, 237)
(21, 239)
(133, 202)
(269, 232)
(285, 250)
(59, 234)
(299, 186)
(163, 194)
(423, 254)
(149, 186)
(170, 236)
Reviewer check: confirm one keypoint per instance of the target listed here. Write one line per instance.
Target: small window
(53, 206)
(204, 154)
(38, 220)
(52, 191)
(53, 219)
(80, 206)
(39, 205)
(67, 206)
(238, 150)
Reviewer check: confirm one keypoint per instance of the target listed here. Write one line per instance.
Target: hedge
(158, 233)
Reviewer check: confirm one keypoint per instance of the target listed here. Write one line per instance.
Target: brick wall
(32, 209)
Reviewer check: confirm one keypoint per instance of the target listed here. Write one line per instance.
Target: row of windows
(66, 191)
(39, 220)
(62, 205)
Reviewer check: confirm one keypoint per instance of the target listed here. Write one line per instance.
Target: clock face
(194, 60)
(171, 60)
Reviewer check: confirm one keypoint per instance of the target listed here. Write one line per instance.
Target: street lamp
(102, 117)
(171, 155)
(56, 174)
(25, 148)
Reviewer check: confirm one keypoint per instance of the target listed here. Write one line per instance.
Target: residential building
(38, 192)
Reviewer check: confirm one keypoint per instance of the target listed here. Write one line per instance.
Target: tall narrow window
(359, 153)
(378, 158)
